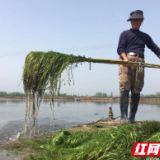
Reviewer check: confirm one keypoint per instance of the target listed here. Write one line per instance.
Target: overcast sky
(79, 27)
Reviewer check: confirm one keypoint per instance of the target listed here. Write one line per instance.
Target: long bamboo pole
(109, 61)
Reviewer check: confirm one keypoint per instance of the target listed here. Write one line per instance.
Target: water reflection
(3, 101)
(17, 101)
(100, 103)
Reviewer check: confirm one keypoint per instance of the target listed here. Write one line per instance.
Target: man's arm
(151, 45)
(122, 44)
(122, 47)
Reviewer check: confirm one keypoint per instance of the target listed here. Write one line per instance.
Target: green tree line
(97, 94)
(100, 94)
(12, 94)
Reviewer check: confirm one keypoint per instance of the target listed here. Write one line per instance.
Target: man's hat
(136, 15)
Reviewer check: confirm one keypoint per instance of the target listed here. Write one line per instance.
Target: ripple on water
(12, 129)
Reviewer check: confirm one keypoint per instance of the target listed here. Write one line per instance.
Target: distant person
(131, 48)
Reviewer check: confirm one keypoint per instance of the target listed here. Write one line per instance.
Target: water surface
(68, 114)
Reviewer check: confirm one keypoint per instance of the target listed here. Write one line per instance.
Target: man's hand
(159, 56)
(125, 58)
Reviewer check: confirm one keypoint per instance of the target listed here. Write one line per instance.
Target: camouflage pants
(130, 78)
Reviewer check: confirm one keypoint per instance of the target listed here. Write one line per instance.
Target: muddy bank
(10, 156)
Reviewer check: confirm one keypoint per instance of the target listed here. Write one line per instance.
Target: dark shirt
(135, 41)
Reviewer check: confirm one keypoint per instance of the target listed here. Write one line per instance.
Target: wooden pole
(109, 61)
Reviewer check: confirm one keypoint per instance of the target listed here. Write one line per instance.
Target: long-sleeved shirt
(135, 41)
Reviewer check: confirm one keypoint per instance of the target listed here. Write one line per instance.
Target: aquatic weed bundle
(45, 68)
(116, 144)
(42, 70)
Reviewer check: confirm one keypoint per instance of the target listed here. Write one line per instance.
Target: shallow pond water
(66, 115)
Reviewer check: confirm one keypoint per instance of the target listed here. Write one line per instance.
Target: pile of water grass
(116, 144)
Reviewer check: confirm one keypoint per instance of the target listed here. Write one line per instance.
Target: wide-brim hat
(136, 15)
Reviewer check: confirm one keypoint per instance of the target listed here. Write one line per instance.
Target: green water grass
(43, 69)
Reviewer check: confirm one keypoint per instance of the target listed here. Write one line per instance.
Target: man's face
(136, 23)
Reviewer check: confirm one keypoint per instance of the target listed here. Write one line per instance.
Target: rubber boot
(124, 106)
(133, 106)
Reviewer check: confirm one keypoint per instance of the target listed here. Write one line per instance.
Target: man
(131, 48)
